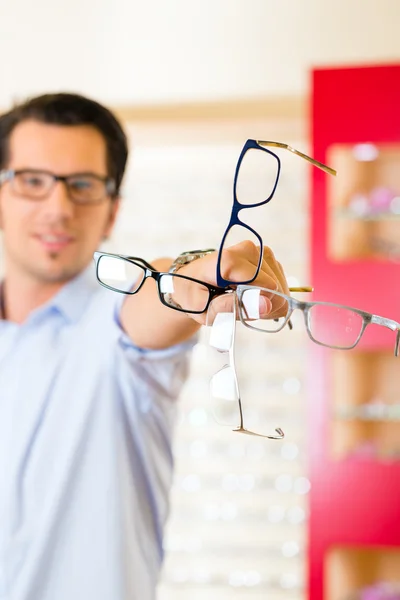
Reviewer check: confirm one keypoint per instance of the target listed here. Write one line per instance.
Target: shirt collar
(71, 301)
(73, 298)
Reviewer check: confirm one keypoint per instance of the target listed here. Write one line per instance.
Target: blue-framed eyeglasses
(256, 178)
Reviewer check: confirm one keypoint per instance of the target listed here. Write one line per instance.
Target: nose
(58, 205)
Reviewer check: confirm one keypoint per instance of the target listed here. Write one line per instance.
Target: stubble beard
(62, 273)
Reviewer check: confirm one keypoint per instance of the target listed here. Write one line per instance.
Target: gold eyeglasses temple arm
(314, 162)
(304, 288)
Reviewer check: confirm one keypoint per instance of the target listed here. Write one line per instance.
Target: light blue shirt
(86, 421)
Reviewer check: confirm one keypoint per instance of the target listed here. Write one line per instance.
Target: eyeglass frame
(152, 273)
(9, 175)
(238, 206)
(231, 358)
(305, 307)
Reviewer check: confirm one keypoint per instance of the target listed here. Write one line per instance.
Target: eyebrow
(48, 172)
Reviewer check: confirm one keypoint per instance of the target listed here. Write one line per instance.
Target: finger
(270, 259)
(220, 304)
(226, 304)
(239, 262)
(283, 280)
(271, 268)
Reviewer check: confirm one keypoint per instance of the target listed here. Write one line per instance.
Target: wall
(154, 51)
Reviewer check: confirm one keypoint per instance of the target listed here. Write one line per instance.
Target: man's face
(52, 240)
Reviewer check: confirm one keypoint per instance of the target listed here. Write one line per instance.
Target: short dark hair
(70, 109)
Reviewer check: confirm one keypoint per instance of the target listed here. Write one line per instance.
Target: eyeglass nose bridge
(303, 307)
(54, 180)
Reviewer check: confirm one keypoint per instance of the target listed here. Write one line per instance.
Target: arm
(150, 324)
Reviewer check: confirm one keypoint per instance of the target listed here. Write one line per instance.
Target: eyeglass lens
(235, 235)
(119, 274)
(256, 177)
(329, 324)
(179, 292)
(335, 326)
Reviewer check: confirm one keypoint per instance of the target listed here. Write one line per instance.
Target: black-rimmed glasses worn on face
(127, 274)
(226, 402)
(82, 188)
(328, 324)
(256, 178)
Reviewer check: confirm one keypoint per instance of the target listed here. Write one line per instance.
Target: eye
(83, 183)
(32, 180)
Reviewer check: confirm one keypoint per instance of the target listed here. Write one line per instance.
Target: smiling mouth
(55, 241)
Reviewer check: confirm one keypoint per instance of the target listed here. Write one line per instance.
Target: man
(88, 378)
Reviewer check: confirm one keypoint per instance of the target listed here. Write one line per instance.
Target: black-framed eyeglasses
(127, 274)
(327, 324)
(256, 178)
(82, 188)
(226, 402)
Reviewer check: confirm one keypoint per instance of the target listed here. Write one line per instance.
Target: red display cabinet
(354, 527)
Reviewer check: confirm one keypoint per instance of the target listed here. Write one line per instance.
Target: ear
(114, 208)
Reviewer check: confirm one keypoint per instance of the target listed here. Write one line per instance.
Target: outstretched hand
(240, 262)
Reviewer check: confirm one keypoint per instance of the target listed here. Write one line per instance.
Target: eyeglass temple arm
(278, 430)
(217, 290)
(314, 162)
(241, 428)
(5, 175)
(139, 260)
(393, 325)
(302, 288)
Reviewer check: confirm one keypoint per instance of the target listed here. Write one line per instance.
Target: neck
(22, 295)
